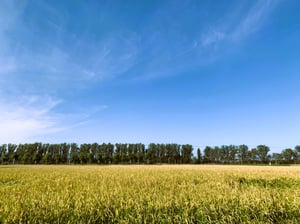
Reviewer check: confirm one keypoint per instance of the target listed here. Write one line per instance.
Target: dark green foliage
(199, 156)
(38, 153)
(262, 153)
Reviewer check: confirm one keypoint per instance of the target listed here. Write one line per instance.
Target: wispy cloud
(114, 56)
(172, 52)
(254, 19)
(10, 12)
(27, 117)
(58, 57)
(250, 22)
(36, 67)
(54, 60)
(108, 59)
(212, 37)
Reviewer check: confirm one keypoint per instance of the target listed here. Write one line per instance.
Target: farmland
(149, 194)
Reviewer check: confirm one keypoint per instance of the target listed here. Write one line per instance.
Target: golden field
(149, 194)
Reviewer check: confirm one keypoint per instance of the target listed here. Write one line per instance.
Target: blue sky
(197, 72)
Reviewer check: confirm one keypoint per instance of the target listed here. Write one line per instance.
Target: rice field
(149, 194)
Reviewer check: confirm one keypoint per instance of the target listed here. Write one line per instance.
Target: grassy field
(149, 194)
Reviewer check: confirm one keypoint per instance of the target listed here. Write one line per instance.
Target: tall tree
(11, 149)
(38, 154)
(289, 156)
(199, 156)
(140, 155)
(253, 155)
(208, 155)
(151, 155)
(3, 154)
(187, 153)
(297, 150)
(262, 152)
(277, 158)
(65, 152)
(117, 154)
(242, 153)
(74, 153)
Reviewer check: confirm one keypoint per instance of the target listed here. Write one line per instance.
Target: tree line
(107, 153)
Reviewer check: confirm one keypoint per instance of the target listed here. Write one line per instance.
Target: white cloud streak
(250, 23)
(10, 12)
(33, 118)
(212, 37)
(25, 118)
(253, 20)
(207, 45)
(52, 62)
(113, 55)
